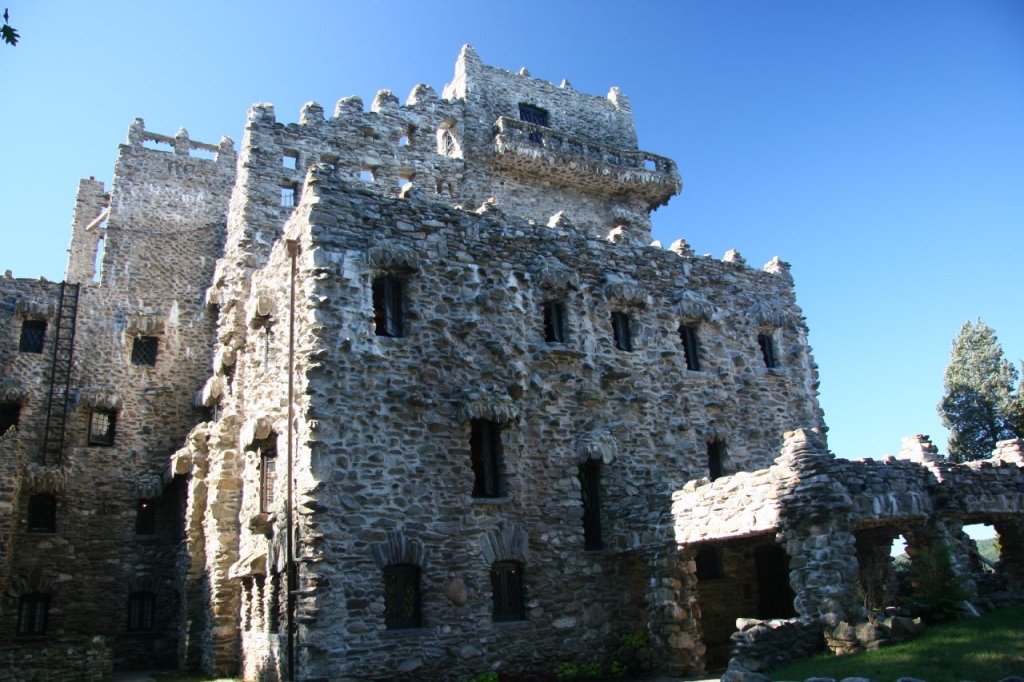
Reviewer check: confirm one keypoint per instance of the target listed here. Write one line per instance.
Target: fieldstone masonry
(408, 393)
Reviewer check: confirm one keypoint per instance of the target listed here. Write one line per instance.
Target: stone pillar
(674, 614)
(939, 560)
(874, 560)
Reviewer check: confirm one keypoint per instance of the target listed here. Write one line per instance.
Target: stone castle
(410, 394)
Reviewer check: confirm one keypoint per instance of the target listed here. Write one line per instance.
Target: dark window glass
(590, 491)
(767, 349)
(32, 334)
(141, 611)
(554, 322)
(535, 115)
(387, 306)
(268, 473)
(101, 427)
(145, 517)
(620, 330)
(42, 513)
(485, 452)
(144, 351)
(401, 597)
(507, 586)
(716, 459)
(9, 413)
(33, 612)
(688, 335)
(709, 566)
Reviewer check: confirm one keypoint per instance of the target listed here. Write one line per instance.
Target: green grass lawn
(984, 649)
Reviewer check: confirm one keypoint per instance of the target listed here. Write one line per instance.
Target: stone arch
(507, 543)
(399, 549)
(39, 581)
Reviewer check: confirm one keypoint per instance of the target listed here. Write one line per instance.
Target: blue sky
(876, 146)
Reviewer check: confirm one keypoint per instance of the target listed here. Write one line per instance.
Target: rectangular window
(101, 427)
(144, 351)
(716, 459)
(42, 513)
(289, 195)
(401, 597)
(767, 350)
(290, 159)
(33, 332)
(485, 453)
(141, 612)
(554, 322)
(535, 115)
(507, 588)
(33, 612)
(621, 331)
(145, 517)
(387, 306)
(688, 336)
(9, 414)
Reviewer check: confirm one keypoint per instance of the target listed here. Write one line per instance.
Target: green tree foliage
(982, 404)
(7, 32)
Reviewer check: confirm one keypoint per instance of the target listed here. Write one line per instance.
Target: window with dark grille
(101, 427)
(507, 586)
(535, 115)
(9, 413)
(716, 459)
(709, 566)
(688, 335)
(42, 513)
(33, 332)
(289, 195)
(554, 322)
(33, 612)
(767, 349)
(485, 453)
(145, 517)
(387, 306)
(590, 491)
(141, 611)
(401, 597)
(620, 330)
(144, 351)
(268, 472)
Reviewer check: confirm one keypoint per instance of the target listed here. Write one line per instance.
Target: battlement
(180, 144)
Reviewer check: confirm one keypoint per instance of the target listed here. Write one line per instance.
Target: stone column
(674, 615)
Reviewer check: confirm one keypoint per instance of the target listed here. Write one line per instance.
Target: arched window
(709, 566)
(402, 597)
(507, 585)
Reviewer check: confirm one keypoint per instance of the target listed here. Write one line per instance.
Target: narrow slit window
(554, 322)
(42, 513)
(33, 613)
(144, 350)
(590, 492)
(33, 333)
(485, 453)
(507, 588)
(387, 306)
(101, 427)
(621, 332)
(767, 345)
(688, 337)
(402, 597)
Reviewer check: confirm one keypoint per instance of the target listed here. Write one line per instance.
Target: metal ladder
(60, 375)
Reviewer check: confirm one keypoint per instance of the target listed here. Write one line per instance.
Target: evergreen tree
(981, 405)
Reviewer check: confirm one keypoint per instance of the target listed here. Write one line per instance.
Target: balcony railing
(584, 163)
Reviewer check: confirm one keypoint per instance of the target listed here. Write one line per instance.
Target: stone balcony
(567, 160)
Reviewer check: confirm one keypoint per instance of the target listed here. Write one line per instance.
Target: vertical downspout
(291, 578)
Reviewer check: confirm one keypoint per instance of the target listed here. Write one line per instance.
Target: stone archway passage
(776, 596)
